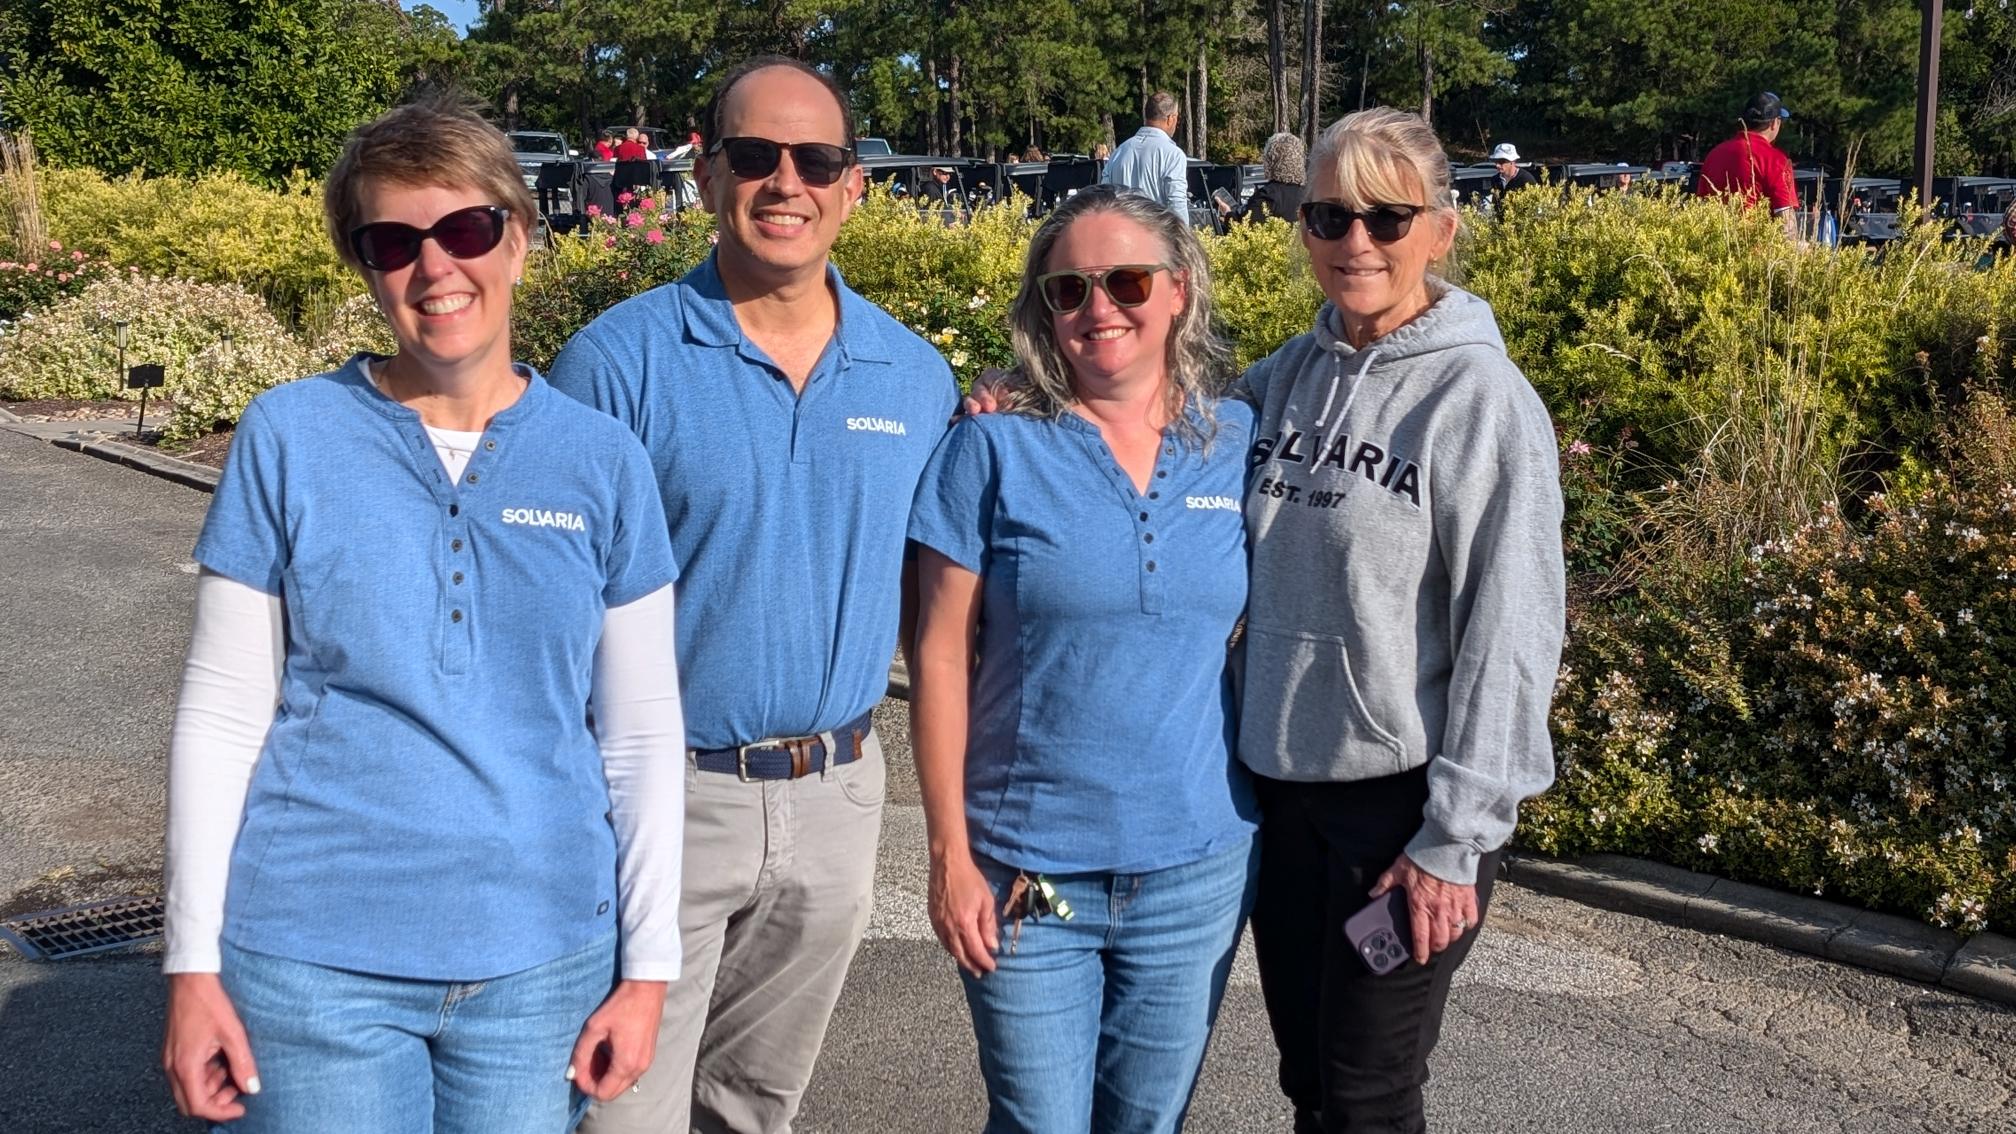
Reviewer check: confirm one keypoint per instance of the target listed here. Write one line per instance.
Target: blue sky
(461, 13)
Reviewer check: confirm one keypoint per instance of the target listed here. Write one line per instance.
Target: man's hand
(619, 1040)
(1440, 911)
(205, 1052)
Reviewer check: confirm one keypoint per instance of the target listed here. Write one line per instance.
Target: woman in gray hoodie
(1404, 626)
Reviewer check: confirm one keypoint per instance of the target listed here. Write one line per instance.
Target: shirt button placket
(458, 643)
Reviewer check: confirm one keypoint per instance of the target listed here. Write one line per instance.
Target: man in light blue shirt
(788, 421)
(1150, 162)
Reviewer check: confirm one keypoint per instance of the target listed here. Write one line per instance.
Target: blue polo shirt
(430, 802)
(1101, 728)
(787, 509)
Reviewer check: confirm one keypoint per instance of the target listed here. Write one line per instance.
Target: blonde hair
(1199, 360)
(440, 140)
(1384, 156)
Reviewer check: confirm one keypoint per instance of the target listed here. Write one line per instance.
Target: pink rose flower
(32, 266)
(634, 220)
(55, 246)
(625, 197)
(644, 203)
(77, 256)
(594, 210)
(63, 277)
(609, 242)
(1578, 448)
(654, 237)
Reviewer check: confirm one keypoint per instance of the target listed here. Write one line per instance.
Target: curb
(1983, 965)
(186, 473)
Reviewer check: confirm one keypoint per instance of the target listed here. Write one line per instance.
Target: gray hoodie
(1404, 511)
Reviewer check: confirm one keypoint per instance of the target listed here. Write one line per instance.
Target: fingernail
(252, 1085)
(570, 1072)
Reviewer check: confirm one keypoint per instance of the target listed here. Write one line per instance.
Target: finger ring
(1462, 924)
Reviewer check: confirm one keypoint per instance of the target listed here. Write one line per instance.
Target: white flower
(1707, 843)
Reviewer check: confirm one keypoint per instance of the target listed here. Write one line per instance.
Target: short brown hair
(439, 140)
(1158, 106)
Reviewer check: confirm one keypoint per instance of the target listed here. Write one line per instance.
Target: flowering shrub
(582, 275)
(221, 380)
(355, 325)
(1831, 716)
(69, 350)
(54, 273)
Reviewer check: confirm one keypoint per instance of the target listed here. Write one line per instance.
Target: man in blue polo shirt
(788, 420)
(1150, 162)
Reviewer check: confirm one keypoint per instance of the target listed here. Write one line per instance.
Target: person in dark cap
(1750, 165)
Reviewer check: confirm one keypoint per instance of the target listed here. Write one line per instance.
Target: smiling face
(1377, 287)
(1107, 345)
(777, 229)
(447, 314)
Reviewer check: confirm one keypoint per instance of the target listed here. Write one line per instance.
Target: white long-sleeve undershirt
(231, 687)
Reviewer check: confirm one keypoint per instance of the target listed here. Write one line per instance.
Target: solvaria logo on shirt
(878, 425)
(545, 518)
(1212, 503)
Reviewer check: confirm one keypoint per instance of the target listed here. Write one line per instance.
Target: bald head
(768, 78)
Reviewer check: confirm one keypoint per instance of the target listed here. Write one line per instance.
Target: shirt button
(454, 509)
(1153, 496)
(458, 578)
(455, 616)
(1148, 538)
(1158, 472)
(455, 546)
(1151, 566)
(1169, 452)
(472, 478)
(489, 444)
(1144, 515)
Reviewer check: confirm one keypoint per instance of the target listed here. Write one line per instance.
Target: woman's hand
(988, 393)
(618, 1041)
(962, 912)
(1439, 911)
(205, 1052)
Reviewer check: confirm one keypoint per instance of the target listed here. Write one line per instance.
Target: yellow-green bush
(70, 350)
(219, 228)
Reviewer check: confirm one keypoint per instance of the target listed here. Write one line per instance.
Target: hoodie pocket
(1301, 705)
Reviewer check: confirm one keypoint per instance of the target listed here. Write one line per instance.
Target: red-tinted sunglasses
(1127, 285)
(387, 246)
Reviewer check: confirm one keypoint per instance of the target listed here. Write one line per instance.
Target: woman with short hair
(399, 850)
(1405, 629)
(1091, 836)
(1286, 164)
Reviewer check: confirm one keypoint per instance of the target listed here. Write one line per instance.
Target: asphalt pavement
(1566, 1019)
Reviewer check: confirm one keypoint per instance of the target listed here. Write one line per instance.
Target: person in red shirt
(605, 146)
(1751, 166)
(631, 148)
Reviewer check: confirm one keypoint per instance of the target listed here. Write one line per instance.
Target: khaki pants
(778, 881)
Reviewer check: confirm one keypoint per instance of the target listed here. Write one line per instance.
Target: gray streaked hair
(1199, 359)
(1158, 106)
(1285, 159)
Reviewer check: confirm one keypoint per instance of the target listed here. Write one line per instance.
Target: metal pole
(1931, 16)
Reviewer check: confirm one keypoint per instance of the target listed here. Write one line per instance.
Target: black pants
(1354, 1046)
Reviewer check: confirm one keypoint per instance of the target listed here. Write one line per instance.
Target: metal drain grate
(57, 935)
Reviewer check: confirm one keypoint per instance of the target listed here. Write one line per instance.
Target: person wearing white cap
(1511, 175)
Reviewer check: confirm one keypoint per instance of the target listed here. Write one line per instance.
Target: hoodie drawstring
(1357, 383)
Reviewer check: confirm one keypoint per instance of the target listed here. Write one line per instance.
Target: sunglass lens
(1388, 224)
(750, 158)
(1066, 293)
(819, 163)
(1129, 287)
(468, 233)
(386, 246)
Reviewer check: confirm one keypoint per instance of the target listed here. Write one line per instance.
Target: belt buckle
(742, 761)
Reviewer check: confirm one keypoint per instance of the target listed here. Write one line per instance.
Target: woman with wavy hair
(1091, 836)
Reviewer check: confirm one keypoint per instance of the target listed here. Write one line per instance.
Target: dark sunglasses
(818, 163)
(1327, 220)
(465, 234)
(1127, 285)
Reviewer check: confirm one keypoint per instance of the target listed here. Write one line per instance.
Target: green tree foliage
(260, 86)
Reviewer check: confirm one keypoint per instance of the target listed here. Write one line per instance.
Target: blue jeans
(339, 1051)
(1099, 1023)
